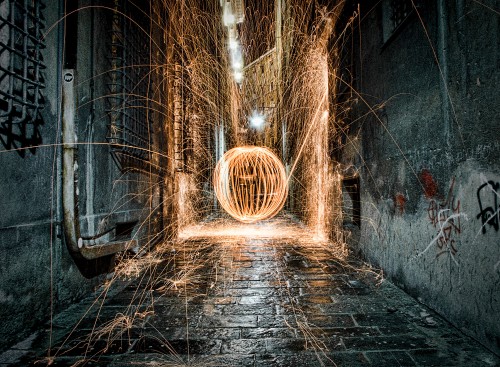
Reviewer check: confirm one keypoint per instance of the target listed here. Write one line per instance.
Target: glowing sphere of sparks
(250, 183)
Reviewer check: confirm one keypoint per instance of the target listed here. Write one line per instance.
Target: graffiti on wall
(445, 217)
(399, 203)
(489, 205)
(428, 183)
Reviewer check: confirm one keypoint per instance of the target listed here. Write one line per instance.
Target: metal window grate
(184, 115)
(400, 9)
(179, 119)
(21, 78)
(130, 126)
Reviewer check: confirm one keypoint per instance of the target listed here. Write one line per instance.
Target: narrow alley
(268, 294)
(249, 183)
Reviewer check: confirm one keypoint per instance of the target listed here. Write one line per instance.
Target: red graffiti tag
(399, 203)
(429, 184)
(445, 217)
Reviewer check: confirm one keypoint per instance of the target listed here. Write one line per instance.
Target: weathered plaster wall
(35, 270)
(37, 274)
(429, 163)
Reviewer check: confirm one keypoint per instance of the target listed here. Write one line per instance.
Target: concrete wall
(37, 274)
(35, 269)
(424, 139)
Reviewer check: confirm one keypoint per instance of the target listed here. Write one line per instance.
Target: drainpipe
(77, 246)
(443, 61)
(462, 42)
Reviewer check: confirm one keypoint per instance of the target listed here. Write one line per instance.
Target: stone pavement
(250, 295)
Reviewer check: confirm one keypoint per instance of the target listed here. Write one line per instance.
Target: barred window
(21, 77)
(395, 14)
(130, 127)
(184, 116)
(400, 9)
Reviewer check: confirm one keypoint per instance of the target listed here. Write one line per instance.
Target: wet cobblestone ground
(261, 295)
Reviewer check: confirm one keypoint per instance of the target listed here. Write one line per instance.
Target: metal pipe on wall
(442, 25)
(76, 244)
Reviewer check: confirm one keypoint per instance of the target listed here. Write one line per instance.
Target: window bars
(179, 115)
(184, 116)
(130, 127)
(21, 78)
(400, 9)
(395, 14)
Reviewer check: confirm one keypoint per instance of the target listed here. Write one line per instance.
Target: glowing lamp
(237, 65)
(250, 183)
(233, 44)
(228, 16)
(238, 76)
(257, 120)
(237, 59)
